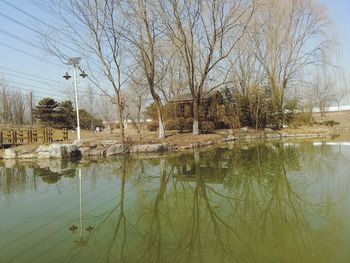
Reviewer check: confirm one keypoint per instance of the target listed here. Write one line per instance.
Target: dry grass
(147, 137)
(343, 117)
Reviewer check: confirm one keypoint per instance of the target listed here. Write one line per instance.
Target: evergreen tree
(44, 111)
(64, 115)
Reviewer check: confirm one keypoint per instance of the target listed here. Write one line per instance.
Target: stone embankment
(113, 148)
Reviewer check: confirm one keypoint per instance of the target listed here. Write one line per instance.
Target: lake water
(273, 202)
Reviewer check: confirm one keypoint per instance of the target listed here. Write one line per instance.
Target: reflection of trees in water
(224, 206)
(17, 178)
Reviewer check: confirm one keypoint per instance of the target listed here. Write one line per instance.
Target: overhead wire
(29, 42)
(29, 54)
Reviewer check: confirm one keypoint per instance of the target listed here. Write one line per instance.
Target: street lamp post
(83, 236)
(75, 63)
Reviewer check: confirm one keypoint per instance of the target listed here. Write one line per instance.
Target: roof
(187, 97)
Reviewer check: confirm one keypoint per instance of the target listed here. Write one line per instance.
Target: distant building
(211, 108)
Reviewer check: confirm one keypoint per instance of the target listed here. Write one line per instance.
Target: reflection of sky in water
(258, 203)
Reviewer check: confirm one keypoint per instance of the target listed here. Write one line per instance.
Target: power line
(41, 6)
(29, 90)
(26, 13)
(29, 54)
(38, 20)
(32, 29)
(20, 38)
(31, 75)
(29, 78)
(44, 81)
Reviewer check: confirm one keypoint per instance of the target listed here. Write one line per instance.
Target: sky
(27, 67)
(340, 14)
(24, 63)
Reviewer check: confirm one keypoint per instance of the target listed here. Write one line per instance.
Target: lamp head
(83, 74)
(66, 76)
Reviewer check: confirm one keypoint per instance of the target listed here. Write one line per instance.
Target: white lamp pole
(75, 63)
(76, 100)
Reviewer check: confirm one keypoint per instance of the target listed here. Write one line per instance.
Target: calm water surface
(274, 202)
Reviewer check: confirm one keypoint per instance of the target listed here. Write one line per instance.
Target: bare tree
(322, 92)
(136, 98)
(18, 104)
(5, 107)
(289, 37)
(205, 33)
(340, 90)
(146, 36)
(96, 29)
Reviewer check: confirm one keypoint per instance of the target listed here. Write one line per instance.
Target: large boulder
(58, 151)
(73, 151)
(117, 149)
(43, 152)
(10, 154)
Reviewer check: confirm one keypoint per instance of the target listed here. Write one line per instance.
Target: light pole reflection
(82, 236)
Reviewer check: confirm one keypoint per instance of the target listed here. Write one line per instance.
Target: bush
(188, 124)
(152, 126)
(301, 119)
(172, 125)
(207, 127)
(330, 123)
(185, 124)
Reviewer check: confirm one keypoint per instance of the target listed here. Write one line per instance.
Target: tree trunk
(121, 119)
(161, 127)
(195, 117)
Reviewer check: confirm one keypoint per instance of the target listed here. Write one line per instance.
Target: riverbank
(103, 145)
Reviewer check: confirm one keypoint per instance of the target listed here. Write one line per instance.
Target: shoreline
(110, 148)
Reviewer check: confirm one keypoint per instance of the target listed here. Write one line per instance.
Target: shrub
(330, 123)
(207, 127)
(172, 124)
(181, 121)
(152, 126)
(188, 124)
(301, 119)
(185, 124)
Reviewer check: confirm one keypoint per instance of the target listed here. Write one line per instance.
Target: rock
(84, 150)
(231, 137)
(268, 130)
(73, 151)
(43, 155)
(78, 143)
(117, 149)
(150, 148)
(97, 151)
(43, 152)
(58, 151)
(10, 154)
(42, 148)
(273, 136)
(109, 142)
(27, 155)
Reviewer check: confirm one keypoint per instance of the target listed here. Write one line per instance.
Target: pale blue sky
(17, 45)
(340, 13)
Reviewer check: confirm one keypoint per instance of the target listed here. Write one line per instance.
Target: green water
(273, 202)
